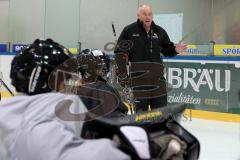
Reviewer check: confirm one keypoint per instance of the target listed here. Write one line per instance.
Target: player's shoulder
(55, 96)
(44, 98)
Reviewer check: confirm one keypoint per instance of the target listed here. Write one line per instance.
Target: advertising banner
(18, 47)
(209, 86)
(198, 50)
(226, 50)
(3, 47)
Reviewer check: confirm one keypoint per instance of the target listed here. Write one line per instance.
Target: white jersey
(31, 131)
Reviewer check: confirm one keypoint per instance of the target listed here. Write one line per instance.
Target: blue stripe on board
(3, 47)
(7, 53)
(214, 58)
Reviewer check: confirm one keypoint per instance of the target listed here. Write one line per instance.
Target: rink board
(204, 83)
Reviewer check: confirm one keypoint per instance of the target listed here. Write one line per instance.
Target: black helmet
(31, 67)
(102, 62)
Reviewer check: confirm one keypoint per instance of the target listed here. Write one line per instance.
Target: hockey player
(28, 122)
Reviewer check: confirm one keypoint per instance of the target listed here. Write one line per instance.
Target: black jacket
(146, 46)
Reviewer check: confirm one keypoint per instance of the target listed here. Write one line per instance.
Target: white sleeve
(52, 140)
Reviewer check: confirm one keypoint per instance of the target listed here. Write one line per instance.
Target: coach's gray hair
(141, 7)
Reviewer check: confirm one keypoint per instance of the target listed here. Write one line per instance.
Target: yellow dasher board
(226, 50)
(5, 94)
(73, 50)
